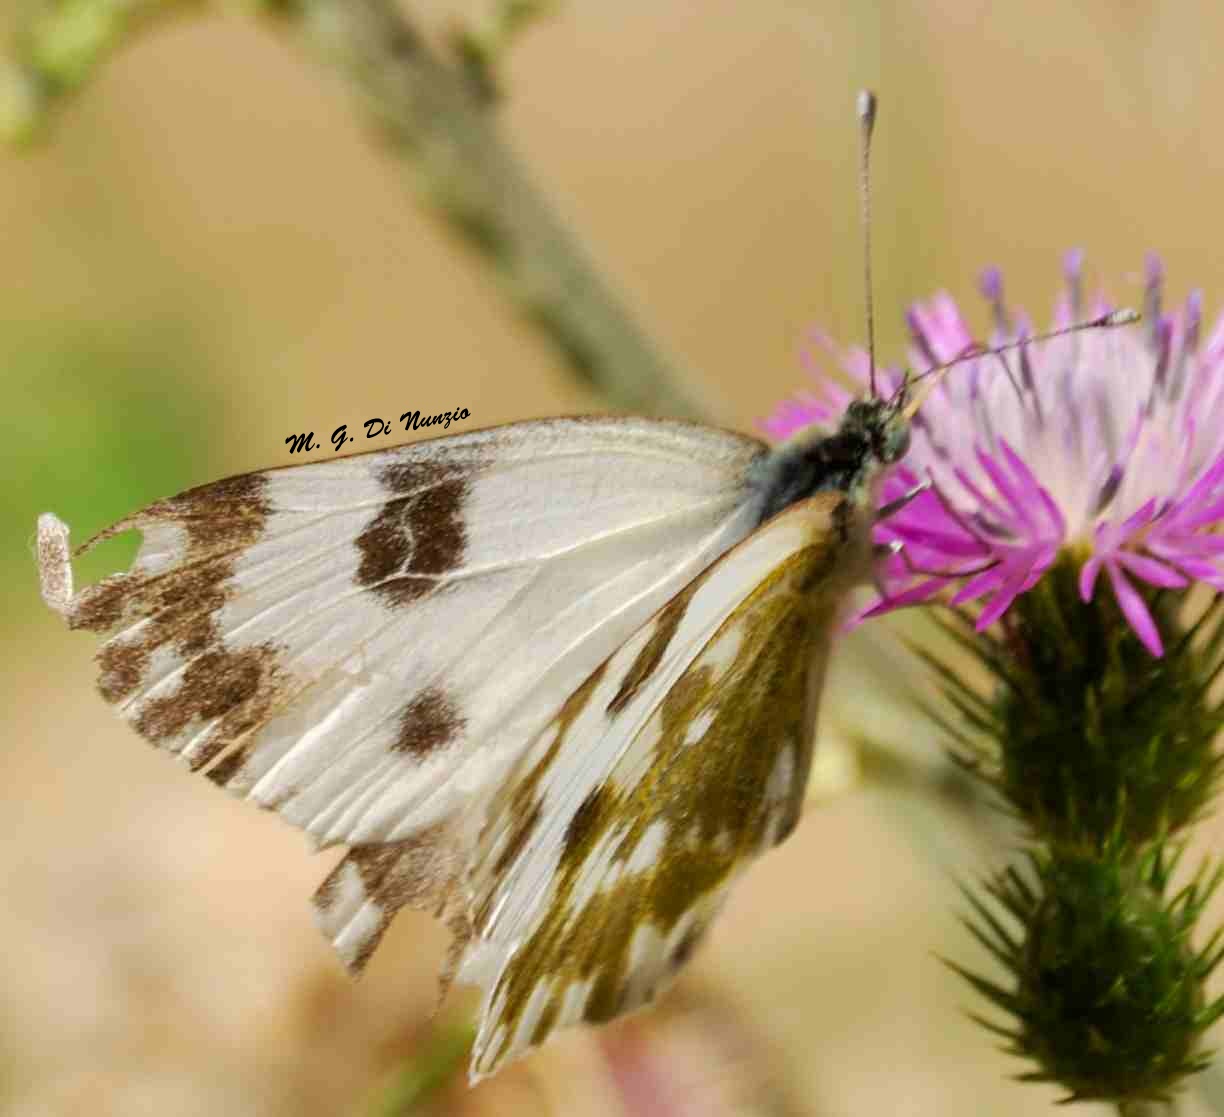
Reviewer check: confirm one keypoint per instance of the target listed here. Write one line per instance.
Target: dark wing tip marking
(99, 608)
(220, 519)
(231, 690)
(418, 535)
(223, 513)
(122, 667)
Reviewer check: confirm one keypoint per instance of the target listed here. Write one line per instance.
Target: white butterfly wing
(366, 644)
(677, 762)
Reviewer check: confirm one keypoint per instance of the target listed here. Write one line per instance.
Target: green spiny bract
(1085, 734)
(1107, 993)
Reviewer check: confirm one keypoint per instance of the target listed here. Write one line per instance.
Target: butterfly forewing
(680, 759)
(365, 644)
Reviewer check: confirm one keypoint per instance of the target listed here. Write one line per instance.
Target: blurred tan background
(209, 254)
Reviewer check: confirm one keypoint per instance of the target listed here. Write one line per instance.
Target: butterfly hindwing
(365, 644)
(677, 762)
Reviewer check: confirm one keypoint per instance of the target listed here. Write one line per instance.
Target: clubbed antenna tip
(867, 108)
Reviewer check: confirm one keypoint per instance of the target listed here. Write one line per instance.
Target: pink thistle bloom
(1106, 444)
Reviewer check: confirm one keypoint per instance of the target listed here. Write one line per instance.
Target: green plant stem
(440, 1062)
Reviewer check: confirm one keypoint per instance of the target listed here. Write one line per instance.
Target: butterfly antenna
(867, 115)
(935, 373)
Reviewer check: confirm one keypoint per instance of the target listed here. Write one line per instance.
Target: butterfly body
(555, 682)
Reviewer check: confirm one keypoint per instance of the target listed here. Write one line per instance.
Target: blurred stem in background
(441, 1059)
(436, 116)
(61, 44)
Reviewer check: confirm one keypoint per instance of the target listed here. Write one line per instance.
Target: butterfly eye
(896, 444)
(859, 411)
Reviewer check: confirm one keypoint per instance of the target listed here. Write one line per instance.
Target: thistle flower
(1107, 446)
(1073, 484)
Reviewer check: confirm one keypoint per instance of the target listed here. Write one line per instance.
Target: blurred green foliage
(96, 428)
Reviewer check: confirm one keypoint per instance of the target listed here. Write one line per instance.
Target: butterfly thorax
(873, 435)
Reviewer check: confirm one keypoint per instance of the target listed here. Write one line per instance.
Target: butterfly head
(874, 434)
(880, 427)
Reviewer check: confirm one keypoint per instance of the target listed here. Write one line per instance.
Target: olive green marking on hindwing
(520, 805)
(711, 796)
(664, 628)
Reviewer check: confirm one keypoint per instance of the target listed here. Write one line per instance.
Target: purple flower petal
(1171, 547)
(1135, 611)
(1134, 522)
(990, 283)
(924, 591)
(1088, 576)
(981, 584)
(1204, 572)
(1006, 490)
(1111, 438)
(1073, 265)
(1212, 514)
(1001, 602)
(996, 511)
(1150, 570)
(1033, 491)
(937, 538)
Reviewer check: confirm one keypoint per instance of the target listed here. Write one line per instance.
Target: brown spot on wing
(418, 536)
(427, 723)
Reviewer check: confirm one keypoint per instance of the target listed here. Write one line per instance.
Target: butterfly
(555, 682)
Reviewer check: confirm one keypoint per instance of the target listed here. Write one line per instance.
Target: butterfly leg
(895, 506)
